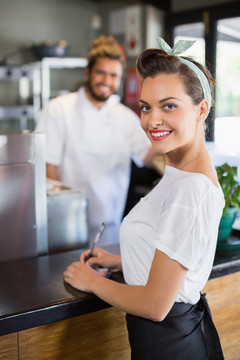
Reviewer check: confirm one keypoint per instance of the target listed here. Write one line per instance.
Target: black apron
(187, 333)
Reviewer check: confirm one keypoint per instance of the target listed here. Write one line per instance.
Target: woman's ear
(203, 110)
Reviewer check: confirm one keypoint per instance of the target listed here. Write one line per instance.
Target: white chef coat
(93, 149)
(179, 217)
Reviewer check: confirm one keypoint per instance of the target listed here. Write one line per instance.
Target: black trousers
(187, 333)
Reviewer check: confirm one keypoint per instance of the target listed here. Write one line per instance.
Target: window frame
(209, 16)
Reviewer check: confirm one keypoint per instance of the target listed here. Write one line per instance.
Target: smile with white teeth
(161, 133)
(104, 88)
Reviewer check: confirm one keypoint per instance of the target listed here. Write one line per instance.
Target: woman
(168, 240)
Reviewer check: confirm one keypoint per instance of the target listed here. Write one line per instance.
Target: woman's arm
(152, 301)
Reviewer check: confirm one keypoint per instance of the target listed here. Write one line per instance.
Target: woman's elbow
(157, 315)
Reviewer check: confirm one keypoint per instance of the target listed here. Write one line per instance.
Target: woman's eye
(144, 108)
(169, 106)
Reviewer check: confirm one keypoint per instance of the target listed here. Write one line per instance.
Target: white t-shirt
(179, 217)
(93, 149)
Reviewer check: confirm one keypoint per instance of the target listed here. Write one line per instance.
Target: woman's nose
(156, 121)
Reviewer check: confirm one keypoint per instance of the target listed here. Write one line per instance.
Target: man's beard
(100, 98)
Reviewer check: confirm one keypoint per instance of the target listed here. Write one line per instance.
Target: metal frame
(39, 74)
(56, 63)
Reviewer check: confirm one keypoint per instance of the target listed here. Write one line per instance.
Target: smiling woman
(168, 240)
(173, 121)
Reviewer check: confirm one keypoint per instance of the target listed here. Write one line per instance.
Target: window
(227, 121)
(194, 31)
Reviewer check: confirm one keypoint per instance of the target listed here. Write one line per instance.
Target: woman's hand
(81, 275)
(102, 259)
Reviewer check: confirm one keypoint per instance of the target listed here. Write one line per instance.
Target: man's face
(104, 79)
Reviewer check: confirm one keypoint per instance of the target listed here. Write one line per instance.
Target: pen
(97, 237)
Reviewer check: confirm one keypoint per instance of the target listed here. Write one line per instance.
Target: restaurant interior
(43, 47)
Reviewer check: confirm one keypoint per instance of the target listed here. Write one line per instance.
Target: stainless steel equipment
(67, 217)
(23, 206)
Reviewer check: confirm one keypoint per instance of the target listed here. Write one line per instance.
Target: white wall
(23, 22)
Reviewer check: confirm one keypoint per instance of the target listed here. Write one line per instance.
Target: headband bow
(179, 47)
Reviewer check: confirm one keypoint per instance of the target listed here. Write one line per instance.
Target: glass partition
(227, 122)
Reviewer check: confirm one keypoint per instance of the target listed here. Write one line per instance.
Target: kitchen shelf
(22, 113)
(48, 64)
(28, 104)
(34, 86)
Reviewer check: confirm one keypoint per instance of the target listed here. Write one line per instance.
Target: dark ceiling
(160, 4)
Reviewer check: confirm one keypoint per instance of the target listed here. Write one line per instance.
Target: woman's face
(168, 115)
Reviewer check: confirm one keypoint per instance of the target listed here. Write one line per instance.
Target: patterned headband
(179, 48)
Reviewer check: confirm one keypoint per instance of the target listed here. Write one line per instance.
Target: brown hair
(152, 62)
(104, 47)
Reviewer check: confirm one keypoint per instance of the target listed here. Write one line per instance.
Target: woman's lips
(159, 134)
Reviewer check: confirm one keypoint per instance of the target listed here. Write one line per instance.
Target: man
(91, 139)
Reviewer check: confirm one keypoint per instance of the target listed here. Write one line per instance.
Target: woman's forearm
(135, 300)
(128, 298)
